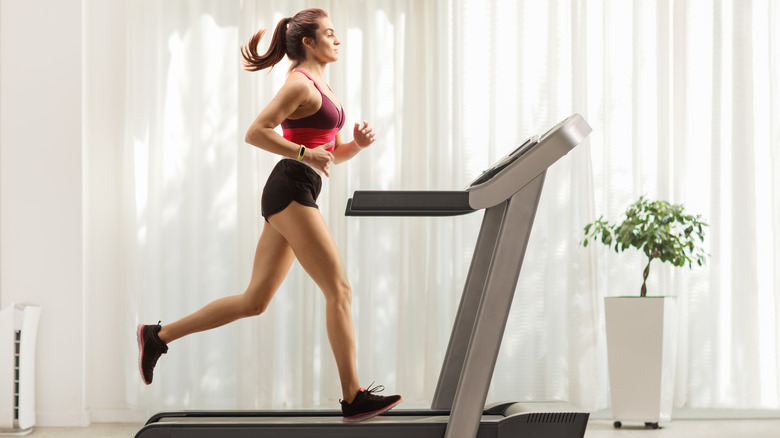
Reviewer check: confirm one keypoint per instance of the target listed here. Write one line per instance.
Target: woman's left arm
(363, 137)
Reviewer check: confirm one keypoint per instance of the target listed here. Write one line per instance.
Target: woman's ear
(307, 42)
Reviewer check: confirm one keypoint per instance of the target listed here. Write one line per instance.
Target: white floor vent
(18, 332)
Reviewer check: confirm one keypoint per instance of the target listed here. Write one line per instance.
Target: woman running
(311, 117)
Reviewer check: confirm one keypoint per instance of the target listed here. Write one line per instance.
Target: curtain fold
(683, 97)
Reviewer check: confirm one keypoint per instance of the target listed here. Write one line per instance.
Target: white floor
(596, 429)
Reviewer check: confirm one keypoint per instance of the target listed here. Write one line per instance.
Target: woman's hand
(364, 135)
(319, 158)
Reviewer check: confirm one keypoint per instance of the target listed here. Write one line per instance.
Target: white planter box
(641, 353)
(18, 332)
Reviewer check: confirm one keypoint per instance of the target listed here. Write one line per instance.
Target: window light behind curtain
(683, 98)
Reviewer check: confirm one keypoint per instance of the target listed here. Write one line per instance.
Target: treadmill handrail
(408, 203)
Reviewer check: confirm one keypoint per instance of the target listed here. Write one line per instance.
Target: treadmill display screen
(506, 160)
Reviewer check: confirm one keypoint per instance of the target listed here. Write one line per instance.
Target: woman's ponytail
(253, 61)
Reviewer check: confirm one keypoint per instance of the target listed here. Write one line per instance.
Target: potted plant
(641, 347)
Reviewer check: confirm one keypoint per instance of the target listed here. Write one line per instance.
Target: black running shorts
(290, 181)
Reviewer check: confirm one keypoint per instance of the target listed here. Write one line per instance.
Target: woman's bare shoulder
(298, 81)
(296, 87)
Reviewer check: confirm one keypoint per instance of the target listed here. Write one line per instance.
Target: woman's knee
(254, 305)
(341, 292)
(256, 309)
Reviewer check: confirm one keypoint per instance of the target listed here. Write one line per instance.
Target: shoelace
(371, 392)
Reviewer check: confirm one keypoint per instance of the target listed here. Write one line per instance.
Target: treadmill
(509, 192)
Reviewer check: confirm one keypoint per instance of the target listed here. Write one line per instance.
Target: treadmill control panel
(506, 161)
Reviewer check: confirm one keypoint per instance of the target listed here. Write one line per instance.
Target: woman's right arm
(293, 94)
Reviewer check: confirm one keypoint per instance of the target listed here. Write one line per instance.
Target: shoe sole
(367, 416)
(140, 338)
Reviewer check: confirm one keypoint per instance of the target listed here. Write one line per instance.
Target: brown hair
(287, 40)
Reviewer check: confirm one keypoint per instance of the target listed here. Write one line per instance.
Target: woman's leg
(308, 235)
(273, 259)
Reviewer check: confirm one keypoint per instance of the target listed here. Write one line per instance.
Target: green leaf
(659, 229)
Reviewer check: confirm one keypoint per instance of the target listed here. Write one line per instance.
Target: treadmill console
(515, 155)
(506, 161)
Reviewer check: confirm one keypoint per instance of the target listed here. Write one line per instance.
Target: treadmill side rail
(507, 420)
(408, 203)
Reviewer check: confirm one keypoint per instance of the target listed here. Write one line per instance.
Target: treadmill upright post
(452, 366)
(506, 261)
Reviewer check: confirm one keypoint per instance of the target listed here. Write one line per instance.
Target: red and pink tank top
(318, 128)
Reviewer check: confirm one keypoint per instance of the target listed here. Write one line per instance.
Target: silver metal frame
(495, 267)
(484, 309)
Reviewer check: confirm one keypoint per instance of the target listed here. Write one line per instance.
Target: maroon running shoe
(150, 348)
(367, 404)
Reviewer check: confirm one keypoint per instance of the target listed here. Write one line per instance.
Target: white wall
(61, 119)
(41, 238)
(104, 79)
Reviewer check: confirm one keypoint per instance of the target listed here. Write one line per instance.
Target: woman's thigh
(273, 259)
(309, 237)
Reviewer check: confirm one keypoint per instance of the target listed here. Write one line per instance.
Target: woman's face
(325, 49)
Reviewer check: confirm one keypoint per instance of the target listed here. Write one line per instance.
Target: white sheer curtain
(683, 97)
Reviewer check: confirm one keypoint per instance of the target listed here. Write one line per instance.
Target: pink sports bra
(318, 128)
